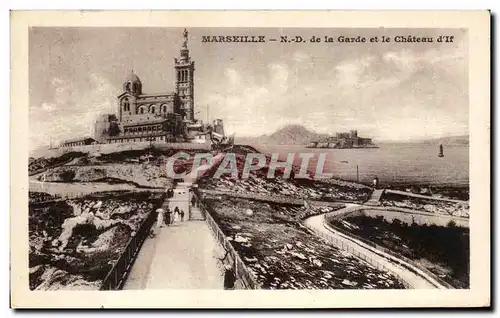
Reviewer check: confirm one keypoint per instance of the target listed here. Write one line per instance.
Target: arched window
(141, 110)
(153, 109)
(164, 108)
(126, 105)
(127, 87)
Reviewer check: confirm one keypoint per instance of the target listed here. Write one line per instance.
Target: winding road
(317, 224)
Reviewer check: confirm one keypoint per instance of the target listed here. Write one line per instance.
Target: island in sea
(343, 140)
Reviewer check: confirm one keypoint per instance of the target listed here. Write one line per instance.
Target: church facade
(152, 117)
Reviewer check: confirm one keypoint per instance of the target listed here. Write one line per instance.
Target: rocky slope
(74, 243)
(143, 175)
(284, 255)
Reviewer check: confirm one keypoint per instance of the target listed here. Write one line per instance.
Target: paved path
(140, 270)
(375, 197)
(413, 279)
(181, 256)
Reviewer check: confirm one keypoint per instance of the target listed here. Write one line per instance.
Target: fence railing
(116, 277)
(247, 278)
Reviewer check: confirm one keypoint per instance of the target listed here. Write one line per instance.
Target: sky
(387, 91)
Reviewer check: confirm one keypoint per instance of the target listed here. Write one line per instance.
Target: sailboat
(440, 151)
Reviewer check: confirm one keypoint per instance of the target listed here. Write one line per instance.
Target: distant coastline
(300, 135)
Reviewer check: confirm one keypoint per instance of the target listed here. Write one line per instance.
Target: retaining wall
(407, 216)
(118, 147)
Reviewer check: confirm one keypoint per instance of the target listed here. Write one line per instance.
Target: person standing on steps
(168, 214)
(159, 221)
(176, 212)
(193, 201)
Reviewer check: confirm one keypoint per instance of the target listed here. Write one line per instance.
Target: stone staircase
(375, 197)
(196, 214)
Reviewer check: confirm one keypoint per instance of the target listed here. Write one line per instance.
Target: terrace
(460, 209)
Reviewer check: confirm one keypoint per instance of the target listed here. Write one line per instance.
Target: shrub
(67, 175)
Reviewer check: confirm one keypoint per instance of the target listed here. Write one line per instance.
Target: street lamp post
(357, 170)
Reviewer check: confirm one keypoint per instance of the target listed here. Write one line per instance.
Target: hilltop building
(152, 117)
(163, 117)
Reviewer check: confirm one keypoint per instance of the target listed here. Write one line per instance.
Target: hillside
(288, 135)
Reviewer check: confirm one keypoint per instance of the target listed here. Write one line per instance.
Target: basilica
(164, 117)
(152, 117)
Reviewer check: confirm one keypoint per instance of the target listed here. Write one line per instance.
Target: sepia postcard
(231, 159)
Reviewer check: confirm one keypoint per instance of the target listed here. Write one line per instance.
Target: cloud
(233, 77)
(279, 75)
(300, 57)
(72, 110)
(393, 95)
(48, 107)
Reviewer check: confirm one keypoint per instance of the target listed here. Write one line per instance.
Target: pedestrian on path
(229, 277)
(159, 221)
(182, 215)
(168, 214)
(176, 212)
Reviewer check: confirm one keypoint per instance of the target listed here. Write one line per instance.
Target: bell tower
(184, 79)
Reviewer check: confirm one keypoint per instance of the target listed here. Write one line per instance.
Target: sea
(392, 163)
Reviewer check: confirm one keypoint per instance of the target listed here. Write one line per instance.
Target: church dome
(133, 84)
(132, 78)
